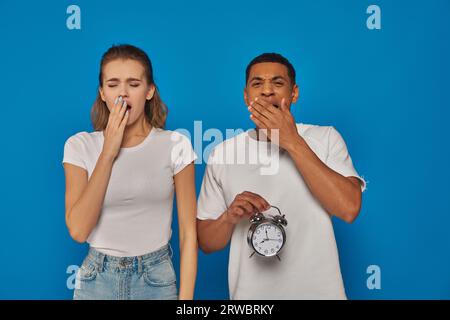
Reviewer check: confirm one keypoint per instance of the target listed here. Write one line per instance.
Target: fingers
(263, 113)
(262, 108)
(262, 104)
(117, 114)
(122, 110)
(112, 112)
(255, 200)
(258, 121)
(241, 210)
(124, 121)
(246, 204)
(284, 106)
(117, 104)
(263, 203)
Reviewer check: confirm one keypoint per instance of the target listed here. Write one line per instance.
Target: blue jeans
(104, 277)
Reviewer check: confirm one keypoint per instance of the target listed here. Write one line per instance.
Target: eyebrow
(272, 79)
(128, 79)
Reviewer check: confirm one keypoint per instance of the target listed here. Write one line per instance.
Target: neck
(140, 128)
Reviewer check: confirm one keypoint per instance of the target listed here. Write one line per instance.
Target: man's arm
(214, 235)
(339, 195)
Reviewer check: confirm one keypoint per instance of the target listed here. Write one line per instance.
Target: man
(314, 180)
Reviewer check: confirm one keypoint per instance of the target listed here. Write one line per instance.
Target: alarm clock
(266, 235)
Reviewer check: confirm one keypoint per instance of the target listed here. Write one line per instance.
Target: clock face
(267, 239)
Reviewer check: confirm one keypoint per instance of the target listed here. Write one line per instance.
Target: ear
(295, 93)
(102, 95)
(151, 92)
(246, 97)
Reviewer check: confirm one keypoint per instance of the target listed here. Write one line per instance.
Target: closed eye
(134, 85)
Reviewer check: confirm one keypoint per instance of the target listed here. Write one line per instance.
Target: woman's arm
(187, 209)
(84, 199)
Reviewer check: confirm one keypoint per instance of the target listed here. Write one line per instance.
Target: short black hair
(272, 57)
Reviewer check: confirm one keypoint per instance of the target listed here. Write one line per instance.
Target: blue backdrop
(386, 90)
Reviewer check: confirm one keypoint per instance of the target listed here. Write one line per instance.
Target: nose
(123, 91)
(267, 90)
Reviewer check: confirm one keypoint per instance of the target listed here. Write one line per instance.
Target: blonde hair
(155, 110)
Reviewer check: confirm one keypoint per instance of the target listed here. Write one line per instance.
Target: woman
(120, 184)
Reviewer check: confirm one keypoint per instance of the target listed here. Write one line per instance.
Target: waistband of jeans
(100, 258)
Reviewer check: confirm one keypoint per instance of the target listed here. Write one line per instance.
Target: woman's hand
(113, 133)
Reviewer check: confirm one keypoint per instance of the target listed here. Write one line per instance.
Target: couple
(121, 180)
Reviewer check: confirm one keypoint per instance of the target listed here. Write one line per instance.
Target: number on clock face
(267, 239)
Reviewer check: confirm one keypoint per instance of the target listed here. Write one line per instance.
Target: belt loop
(139, 259)
(101, 262)
(170, 251)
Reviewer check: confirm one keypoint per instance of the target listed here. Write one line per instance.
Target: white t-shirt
(309, 266)
(136, 215)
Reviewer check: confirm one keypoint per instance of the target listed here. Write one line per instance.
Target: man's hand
(245, 205)
(267, 116)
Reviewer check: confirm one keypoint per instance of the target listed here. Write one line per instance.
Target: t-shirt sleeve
(182, 153)
(73, 152)
(339, 159)
(211, 201)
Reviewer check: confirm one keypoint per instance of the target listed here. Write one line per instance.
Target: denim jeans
(104, 277)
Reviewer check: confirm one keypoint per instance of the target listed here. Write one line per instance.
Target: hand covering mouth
(272, 102)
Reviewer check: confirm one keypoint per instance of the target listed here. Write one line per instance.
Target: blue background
(386, 91)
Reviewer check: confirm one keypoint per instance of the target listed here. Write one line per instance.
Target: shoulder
(324, 135)
(80, 146)
(317, 132)
(171, 137)
(85, 137)
(83, 143)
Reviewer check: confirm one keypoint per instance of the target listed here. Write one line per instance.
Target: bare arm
(214, 235)
(339, 195)
(84, 199)
(187, 208)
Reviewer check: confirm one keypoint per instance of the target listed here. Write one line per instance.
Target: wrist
(104, 157)
(227, 219)
(295, 143)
